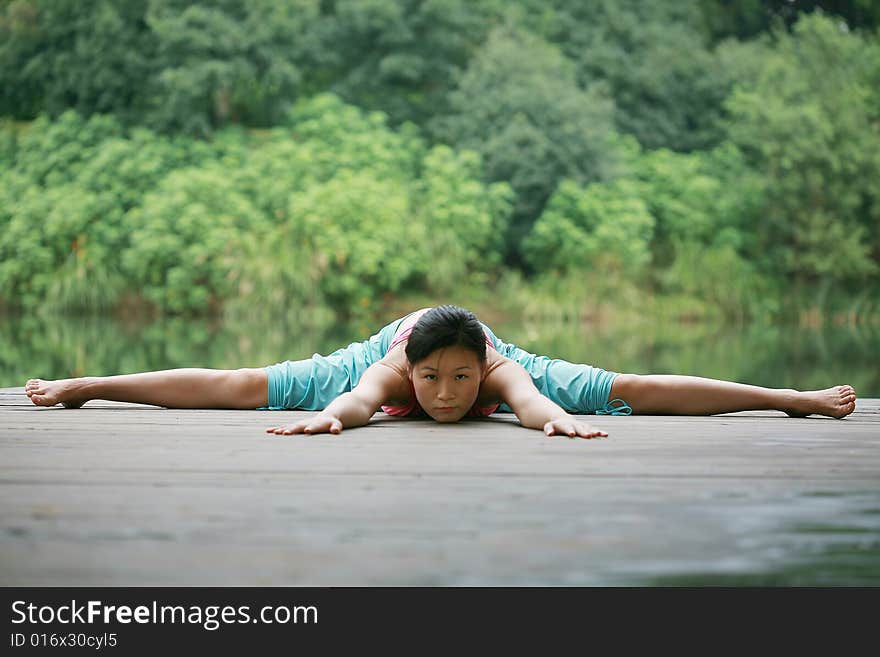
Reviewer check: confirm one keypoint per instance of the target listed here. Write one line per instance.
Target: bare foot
(62, 391)
(837, 402)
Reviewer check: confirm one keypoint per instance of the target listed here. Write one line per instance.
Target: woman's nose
(445, 391)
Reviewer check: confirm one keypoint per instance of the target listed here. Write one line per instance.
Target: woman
(444, 363)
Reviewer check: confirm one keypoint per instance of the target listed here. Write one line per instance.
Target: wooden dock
(122, 494)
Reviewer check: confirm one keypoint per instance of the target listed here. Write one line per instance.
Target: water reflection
(768, 355)
(776, 356)
(844, 551)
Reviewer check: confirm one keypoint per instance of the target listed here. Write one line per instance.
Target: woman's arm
(534, 410)
(350, 409)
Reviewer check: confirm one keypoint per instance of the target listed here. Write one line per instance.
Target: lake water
(769, 355)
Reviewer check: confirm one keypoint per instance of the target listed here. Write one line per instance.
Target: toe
(846, 409)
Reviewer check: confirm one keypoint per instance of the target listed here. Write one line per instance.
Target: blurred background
(688, 187)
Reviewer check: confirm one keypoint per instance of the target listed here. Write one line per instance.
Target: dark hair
(446, 326)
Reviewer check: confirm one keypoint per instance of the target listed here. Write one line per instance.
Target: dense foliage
(332, 208)
(233, 155)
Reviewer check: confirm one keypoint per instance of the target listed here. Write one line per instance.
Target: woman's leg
(692, 395)
(244, 388)
(575, 387)
(310, 384)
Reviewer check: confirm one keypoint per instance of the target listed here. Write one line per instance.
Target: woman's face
(447, 382)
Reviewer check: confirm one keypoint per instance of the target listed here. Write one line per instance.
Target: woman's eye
(461, 377)
(430, 377)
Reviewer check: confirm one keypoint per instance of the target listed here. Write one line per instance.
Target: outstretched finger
(285, 430)
(317, 427)
(559, 428)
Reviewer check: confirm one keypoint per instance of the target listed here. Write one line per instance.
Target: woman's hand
(321, 423)
(568, 426)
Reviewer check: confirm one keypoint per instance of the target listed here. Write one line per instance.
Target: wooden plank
(122, 494)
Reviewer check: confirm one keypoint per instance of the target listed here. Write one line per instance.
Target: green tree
(465, 220)
(706, 199)
(169, 64)
(55, 55)
(334, 209)
(186, 238)
(603, 227)
(361, 211)
(227, 61)
(675, 224)
(63, 201)
(399, 56)
(805, 112)
(705, 204)
(746, 19)
(519, 106)
(654, 57)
